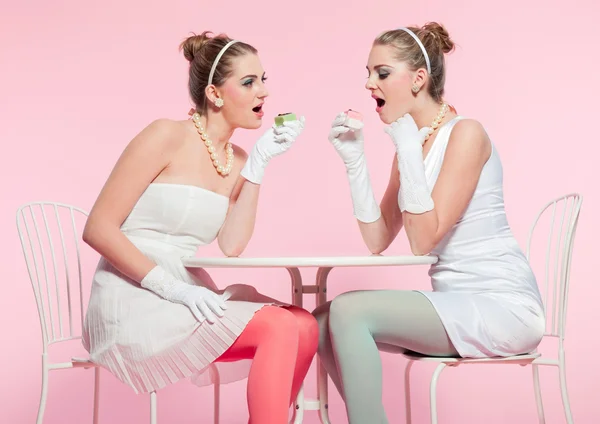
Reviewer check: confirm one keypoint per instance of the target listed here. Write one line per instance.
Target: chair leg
(322, 391)
(44, 394)
(153, 408)
(538, 394)
(298, 405)
(216, 378)
(407, 405)
(563, 390)
(217, 398)
(432, 392)
(96, 393)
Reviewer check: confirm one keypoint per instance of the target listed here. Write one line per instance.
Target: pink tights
(282, 343)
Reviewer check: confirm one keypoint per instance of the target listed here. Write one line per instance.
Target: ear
(420, 78)
(212, 93)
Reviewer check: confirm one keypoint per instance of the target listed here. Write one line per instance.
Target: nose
(263, 92)
(370, 85)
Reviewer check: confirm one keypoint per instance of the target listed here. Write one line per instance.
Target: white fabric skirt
(148, 342)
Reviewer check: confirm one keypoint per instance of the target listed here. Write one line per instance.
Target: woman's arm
(141, 161)
(239, 224)
(380, 234)
(468, 150)
(237, 230)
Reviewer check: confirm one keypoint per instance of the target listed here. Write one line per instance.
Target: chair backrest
(559, 219)
(51, 247)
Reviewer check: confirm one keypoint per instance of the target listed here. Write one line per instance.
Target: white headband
(412, 34)
(214, 66)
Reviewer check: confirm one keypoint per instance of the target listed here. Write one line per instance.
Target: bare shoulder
(161, 134)
(469, 131)
(469, 135)
(146, 155)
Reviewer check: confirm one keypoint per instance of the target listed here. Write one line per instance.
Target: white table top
(298, 262)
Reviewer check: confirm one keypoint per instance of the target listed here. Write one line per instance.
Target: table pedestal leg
(297, 287)
(298, 291)
(297, 300)
(322, 395)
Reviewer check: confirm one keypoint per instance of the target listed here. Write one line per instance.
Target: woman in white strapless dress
(179, 185)
(485, 300)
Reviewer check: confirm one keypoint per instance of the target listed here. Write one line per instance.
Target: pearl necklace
(223, 170)
(436, 122)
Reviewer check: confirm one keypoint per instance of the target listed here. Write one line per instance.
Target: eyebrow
(252, 76)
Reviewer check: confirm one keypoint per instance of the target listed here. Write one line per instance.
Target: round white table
(324, 265)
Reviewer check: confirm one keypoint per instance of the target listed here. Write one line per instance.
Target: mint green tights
(356, 325)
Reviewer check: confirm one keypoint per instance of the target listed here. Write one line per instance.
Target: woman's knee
(308, 328)
(278, 323)
(348, 311)
(345, 306)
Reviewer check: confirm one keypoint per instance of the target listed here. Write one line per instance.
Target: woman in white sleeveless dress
(445, 189)
(179, 185)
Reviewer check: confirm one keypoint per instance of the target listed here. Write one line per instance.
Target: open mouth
(380, 102)
(257, 109)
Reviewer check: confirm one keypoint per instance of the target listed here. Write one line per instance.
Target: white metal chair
(555, 289)
(51, 246)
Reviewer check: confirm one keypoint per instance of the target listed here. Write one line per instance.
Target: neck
(217, 129)
(425, 110)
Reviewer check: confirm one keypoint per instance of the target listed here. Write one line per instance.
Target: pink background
(80, 79)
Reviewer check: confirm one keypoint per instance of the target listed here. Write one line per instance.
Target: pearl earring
(415, 88)
(219, 103)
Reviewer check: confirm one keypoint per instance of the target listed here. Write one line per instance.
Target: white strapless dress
(148, 342)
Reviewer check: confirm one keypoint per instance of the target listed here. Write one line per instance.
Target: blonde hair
(437, 43)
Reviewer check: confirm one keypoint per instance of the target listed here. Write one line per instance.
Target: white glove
(414, 195)
(275, 141)
(203, 302)
(349, 144)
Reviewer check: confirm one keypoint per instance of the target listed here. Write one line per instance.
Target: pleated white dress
(148, 342)
(484, 289)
